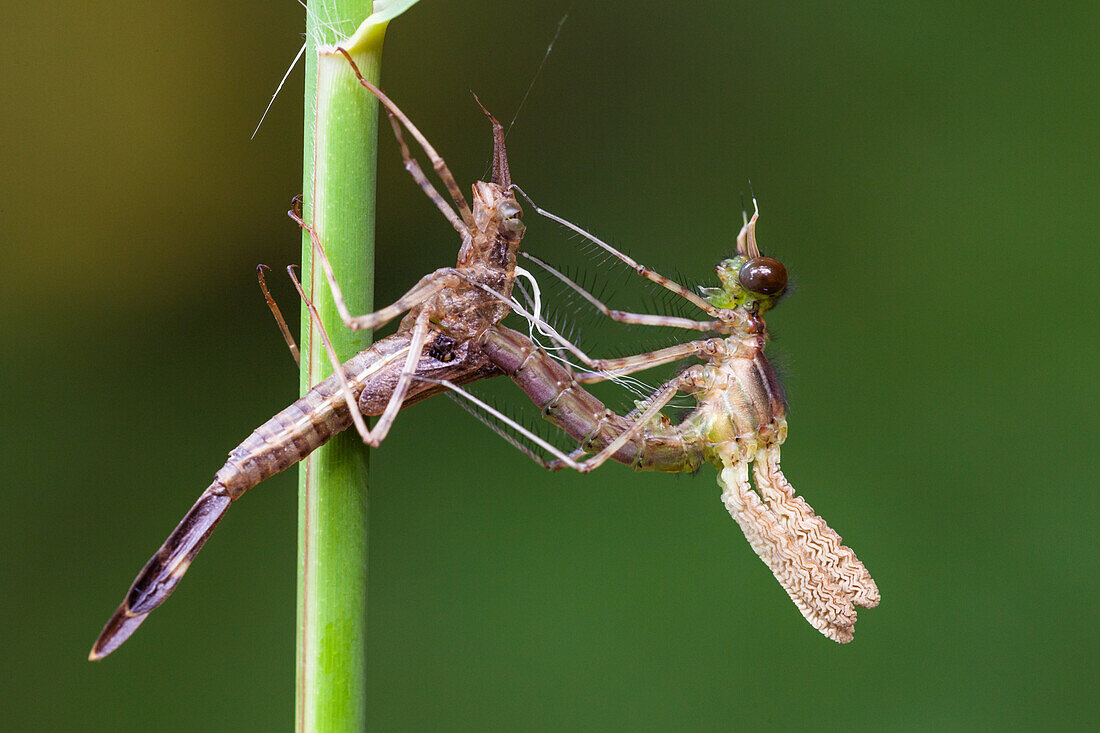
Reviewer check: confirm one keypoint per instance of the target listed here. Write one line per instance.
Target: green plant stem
(339, 202)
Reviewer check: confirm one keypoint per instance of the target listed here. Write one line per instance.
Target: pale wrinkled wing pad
(816, 537)
(822, 577)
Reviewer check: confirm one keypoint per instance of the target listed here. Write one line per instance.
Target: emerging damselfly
(452, 335)
(739, 422)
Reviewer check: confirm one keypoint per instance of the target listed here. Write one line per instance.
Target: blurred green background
(927, 171)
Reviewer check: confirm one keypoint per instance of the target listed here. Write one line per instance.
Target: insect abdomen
(581, 415)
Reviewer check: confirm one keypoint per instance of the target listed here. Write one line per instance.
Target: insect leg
(643, 319)
(337, 367)
(642, 270)
(613, 367)
(408, 373)
(582, 416)
(373, 438)
(428, 286)
(616, 367)
(283, 328)
(622, 366)
(421, 180)
(658, 401)
(655, 403)
(437, 162)
(512, 440)
(604, 369)
(487, 408)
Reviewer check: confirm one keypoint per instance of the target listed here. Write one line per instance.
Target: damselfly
(738, 423)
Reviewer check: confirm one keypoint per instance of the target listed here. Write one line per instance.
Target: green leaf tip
(384, 12)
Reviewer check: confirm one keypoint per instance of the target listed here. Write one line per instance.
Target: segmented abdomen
(274, 446)
(307, 424)
(659, 447)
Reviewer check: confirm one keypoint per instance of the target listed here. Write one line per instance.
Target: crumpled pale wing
(817, 538)
(813, 589)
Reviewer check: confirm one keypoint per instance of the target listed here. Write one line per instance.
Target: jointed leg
(274, 307)
(659, 400)
(408, 373)
(642, 270)
(643, 319)
(621, 367)
(512, 440)
(656, 403)
(426, 186)
(504, 419)
(604, 368)
(337, 367)
(373, 438)
(437, 162)
(428, 286)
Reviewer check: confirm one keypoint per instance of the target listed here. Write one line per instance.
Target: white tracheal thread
(818, 539)
(815, 594)
(535, 322)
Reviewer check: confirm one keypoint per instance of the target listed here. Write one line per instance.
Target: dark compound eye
(763, 276)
